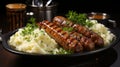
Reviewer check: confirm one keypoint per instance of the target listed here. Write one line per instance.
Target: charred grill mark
(84, 41)
(63, 38)
(70, 41)
(62, 21)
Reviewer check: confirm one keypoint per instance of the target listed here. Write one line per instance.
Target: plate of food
(61, 37)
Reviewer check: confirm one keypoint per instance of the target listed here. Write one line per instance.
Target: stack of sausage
(78, 40)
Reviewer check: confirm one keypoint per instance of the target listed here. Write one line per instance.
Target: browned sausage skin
(62, 37)
(62, 21)
(70, 41)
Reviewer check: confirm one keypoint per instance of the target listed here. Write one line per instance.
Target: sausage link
(63, 38)
(62, 21)
(87, 43)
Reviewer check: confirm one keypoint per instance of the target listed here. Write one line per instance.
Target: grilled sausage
(62, 21)
(86, 42)
(70, 41)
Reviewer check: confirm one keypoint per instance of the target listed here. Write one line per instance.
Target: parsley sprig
(30, 26)
(68, 29)
(79, 18)
(63, 51)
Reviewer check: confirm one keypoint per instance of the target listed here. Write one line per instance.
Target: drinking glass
(15, 16)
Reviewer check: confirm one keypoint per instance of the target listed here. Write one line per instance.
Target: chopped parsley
(68, 29)
(30, 27)
(63, 51)
(79, 18)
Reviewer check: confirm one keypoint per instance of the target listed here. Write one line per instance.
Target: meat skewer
(66, 40)
(62, 21)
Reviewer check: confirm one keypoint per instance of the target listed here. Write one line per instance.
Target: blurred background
(82, 6)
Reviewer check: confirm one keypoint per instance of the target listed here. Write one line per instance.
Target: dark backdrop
(109, 6)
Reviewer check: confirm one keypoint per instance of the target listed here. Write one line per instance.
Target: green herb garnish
(30, 26)
(68, 29)
(32, 23)
(63, 51)
(79, 18)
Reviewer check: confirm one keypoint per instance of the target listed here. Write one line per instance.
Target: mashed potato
(103, 31)
(37, 42)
